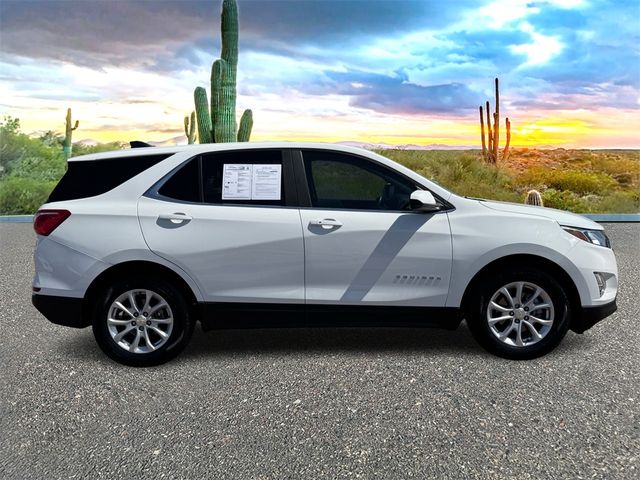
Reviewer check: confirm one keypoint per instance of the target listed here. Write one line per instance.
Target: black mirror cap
(418, 206)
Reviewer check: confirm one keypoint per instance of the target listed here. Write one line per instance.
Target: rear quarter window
(85, 179)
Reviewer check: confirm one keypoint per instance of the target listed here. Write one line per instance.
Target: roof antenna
(139, 144)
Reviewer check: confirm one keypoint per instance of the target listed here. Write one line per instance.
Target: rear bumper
(65, 311)
(589, 316)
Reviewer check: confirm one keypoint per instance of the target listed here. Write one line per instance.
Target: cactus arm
(496, 126)
(246, 124)
(202, 113)
(484, 145)
(489, 132)
(505, 153)
(190, 128)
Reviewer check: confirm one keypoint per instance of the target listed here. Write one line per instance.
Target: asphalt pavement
(317, 403)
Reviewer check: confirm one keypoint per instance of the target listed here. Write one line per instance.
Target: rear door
(363, 244)
(230, 220)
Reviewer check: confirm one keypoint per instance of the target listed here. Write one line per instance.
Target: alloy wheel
(520, 314)
(140, 321)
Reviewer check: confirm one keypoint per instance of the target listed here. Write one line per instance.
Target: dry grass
(583, 181)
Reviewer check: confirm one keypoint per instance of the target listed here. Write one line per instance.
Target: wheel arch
(136, 267)
(522, 260)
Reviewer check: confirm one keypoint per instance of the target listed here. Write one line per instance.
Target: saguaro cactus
(534, 198)
(491, 146)
(67, 145)
(190, 128)
(218, 124)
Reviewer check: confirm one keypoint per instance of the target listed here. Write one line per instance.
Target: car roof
(214, 147)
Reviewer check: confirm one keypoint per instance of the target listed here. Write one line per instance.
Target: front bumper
(588, 316)
(65, 311)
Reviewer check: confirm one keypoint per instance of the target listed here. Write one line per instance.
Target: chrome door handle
(175, 217)
(326, 223)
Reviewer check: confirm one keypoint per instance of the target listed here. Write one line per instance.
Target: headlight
(597, 237)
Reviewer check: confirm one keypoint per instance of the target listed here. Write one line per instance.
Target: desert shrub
(564, 200)
(619, 202)
(23, 195)
(579, 182)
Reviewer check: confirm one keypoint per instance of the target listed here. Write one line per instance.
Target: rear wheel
(142, 322)
(519, 315)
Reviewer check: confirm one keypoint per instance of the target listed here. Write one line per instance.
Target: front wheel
(520, 315)
(142, 322)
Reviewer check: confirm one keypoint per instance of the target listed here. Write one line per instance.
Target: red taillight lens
(46, 221)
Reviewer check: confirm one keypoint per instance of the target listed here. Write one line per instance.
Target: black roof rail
(139, 144)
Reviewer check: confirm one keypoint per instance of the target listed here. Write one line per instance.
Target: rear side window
(184, 184)
(244, 177)
(221, 169)
(94, 177)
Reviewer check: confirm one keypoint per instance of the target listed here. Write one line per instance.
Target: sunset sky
(398, 72)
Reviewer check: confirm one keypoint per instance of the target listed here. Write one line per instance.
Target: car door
(225, 218)
(363, 244)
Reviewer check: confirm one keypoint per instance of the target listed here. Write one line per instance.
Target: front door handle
(176, 217)
(326, 223)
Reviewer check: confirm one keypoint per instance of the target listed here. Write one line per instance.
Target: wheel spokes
(121, 335)
(500, 308)
(527, 306)
(131, 325)
(507, 295)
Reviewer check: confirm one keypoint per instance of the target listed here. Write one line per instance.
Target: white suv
(141, 244)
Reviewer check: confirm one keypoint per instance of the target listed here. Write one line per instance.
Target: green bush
(576, 181)
(23, 195)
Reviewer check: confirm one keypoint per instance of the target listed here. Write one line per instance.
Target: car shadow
(348, 340)
(332, 340)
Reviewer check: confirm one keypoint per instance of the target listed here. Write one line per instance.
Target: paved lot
(313, 404)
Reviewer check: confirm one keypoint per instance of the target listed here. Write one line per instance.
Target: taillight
(46, 221)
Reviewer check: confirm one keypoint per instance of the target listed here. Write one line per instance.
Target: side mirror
(423, 201)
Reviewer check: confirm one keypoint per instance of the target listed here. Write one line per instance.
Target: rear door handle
(175, 217)
(326, 223)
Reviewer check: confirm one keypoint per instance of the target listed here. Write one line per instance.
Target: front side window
(341, 181)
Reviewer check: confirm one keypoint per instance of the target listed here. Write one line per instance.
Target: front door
(223, 218)
(363, 245)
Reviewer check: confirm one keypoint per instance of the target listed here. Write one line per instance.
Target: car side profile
(142, 244)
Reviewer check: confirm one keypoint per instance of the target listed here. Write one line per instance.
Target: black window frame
(290, 193)
(304, 189)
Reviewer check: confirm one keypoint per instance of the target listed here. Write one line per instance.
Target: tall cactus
(67, 145)
(217, 121)
(491, 146)
(190, 128)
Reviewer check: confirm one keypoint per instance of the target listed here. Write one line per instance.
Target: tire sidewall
(180, 334)
(478, 319)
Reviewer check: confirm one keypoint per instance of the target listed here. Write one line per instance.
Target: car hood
(560, 216)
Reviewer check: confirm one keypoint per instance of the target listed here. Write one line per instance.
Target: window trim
(290, 185)
(304, 193)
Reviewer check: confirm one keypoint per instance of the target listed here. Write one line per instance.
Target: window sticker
(251, 182)
(236, 181)
(265, 184)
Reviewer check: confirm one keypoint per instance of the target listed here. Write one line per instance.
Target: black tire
(182, 328)
(477, 321)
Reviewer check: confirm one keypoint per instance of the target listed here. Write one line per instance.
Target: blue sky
(379, 71)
